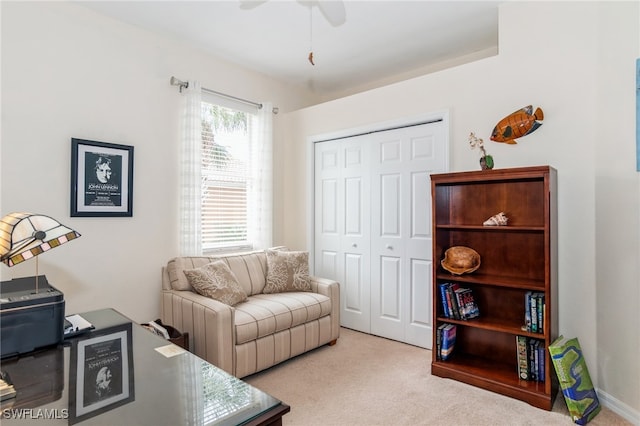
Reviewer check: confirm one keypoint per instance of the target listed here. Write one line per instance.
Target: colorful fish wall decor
(517, 124)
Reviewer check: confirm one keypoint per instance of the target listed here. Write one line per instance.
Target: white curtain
(190, 173)
(260, 188)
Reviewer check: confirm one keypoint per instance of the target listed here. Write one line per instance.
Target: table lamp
(27, 235)
(29, 320)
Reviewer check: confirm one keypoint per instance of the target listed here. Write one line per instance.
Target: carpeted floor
(368, 380)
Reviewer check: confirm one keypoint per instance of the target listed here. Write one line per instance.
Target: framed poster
(101, 179)
(100, 372)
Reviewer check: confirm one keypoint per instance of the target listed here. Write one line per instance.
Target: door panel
(419, 318)
(406, 159)
(390, 205)
(343, 205)
(353, 206)
(390, 288)
(420, 188)
(353, 284)
(329, 264)
(329, 219)
(354, 244)
(327, 206)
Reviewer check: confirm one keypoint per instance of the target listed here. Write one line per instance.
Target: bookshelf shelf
(517, 258)
(493, 228)
(493, 280)
(501, 325)
(473, 370)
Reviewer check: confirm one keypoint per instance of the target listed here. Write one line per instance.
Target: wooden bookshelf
(516, 258)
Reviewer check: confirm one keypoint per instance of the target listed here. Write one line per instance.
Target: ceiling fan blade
(333, 11)
(250, 4)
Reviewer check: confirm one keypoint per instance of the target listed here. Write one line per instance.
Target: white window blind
(225, 176)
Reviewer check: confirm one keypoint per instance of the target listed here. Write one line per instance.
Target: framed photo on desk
(100, 372)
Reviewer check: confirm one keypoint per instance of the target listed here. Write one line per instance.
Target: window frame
(245, 245)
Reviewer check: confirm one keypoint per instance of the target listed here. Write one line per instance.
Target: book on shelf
(535, 360)
(540, 311)
(439, 341)
(455, 306)
(530, 358)
(527, 310)
(574, 379)
(468, 306)
(523, 358)
(457, 303)
(534, 308)
(448, 341)
(449, 305)
(534, 312)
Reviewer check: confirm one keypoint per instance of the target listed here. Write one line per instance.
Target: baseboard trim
(619, 407)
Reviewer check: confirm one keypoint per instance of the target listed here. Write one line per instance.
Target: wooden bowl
(460, 260)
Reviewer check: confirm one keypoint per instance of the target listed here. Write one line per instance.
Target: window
(225, 177)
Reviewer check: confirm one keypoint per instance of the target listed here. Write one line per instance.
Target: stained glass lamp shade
(27, 235)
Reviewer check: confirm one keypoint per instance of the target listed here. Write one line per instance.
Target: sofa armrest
(331, 289)
(209, 323)
(323, 285)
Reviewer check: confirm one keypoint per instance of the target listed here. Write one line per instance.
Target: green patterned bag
(575, 381)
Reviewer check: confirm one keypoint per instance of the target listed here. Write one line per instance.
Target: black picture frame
(101, 375)
(101, 179)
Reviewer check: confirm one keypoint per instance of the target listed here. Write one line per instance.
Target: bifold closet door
(401, 163)
(373, 227)
(342, 225)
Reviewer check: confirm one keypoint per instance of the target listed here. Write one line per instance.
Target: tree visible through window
(225, 159)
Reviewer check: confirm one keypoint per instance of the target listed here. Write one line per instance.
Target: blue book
(448, 341)
(443, 298)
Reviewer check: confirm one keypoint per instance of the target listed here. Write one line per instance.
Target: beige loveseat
(258, 333)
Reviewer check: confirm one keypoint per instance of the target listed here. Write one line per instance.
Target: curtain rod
(184, 84)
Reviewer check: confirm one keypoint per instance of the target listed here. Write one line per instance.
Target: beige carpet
(368, 380)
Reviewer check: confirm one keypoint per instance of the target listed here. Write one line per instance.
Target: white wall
(67, 72)
(617, 208)
(577, 61)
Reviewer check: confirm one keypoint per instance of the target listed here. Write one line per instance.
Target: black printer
(31, 315)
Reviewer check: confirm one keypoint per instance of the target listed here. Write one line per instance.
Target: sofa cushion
(177, 265)
(287, 271)
(215, 280)
(265, 314)
(249, 268)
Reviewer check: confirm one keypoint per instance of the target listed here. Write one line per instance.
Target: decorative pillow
(217, 281)
(287, 271)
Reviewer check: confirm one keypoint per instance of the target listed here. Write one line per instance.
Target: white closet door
(372, 218)
(342, 225)
(401, 162)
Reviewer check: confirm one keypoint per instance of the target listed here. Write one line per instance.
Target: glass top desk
(118, 375)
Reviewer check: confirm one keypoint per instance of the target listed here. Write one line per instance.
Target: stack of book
(458, 303)
(445, 341)
(531, 358)
(534, 311)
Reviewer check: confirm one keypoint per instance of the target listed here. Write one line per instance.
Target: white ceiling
(380, 42)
